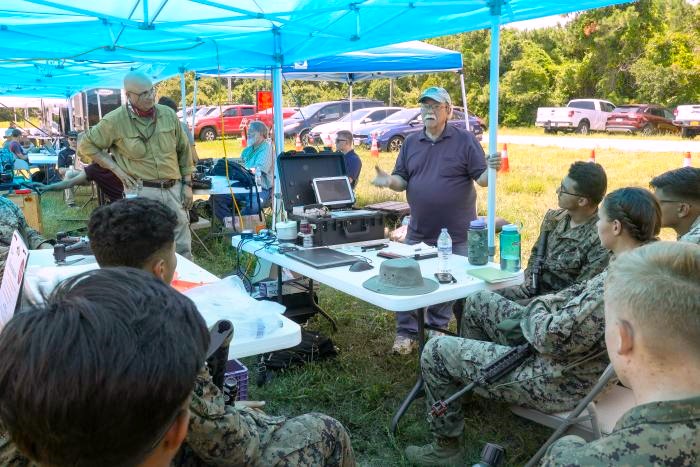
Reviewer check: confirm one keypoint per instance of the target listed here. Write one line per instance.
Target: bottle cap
(510, 228)
(477, 224)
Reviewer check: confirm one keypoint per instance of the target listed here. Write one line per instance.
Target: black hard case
(296, 173)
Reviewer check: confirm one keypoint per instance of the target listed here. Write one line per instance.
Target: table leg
(279, 285)
(417, 390)
(314, 304)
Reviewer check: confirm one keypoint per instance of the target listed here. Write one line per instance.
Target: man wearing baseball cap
(12, 145)
(437, 167)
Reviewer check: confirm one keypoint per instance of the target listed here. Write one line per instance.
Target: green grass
(365, 384)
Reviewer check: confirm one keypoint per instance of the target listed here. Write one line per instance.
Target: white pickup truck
(687, 117)
(579, 115)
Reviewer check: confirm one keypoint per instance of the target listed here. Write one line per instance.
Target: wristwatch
(187, 182)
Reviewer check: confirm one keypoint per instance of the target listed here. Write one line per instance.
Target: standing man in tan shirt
(147, 145)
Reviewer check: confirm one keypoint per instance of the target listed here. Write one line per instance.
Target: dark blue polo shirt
(353, 166)
(440, 178)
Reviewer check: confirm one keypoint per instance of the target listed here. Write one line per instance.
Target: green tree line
(644, 52)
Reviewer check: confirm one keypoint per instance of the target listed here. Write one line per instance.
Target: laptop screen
(333, 191)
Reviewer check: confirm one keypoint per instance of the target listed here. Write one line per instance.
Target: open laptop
(336, 194)
(322, 258)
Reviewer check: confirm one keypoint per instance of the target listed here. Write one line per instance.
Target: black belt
(163, 184)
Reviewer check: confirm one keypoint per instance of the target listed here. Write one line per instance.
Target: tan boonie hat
(437, 94)
(400, 276)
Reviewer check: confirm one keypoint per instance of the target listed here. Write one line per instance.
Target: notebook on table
(322, 258)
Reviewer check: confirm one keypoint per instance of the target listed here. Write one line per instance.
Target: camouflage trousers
(541, 382)
(311, 439)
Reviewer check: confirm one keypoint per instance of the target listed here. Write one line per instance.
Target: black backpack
(236, 172)
(313, 347)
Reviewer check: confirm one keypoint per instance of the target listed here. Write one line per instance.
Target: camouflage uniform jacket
(11, 219)
(693, 235)
(572, 255)
(657, 433)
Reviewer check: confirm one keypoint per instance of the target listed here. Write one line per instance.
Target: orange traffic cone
(686, 160)
(244, 138)
(505, 167)
(374, 150)
(297, 144)
(592, 158)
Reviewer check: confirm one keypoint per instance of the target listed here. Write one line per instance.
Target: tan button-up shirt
(146, 148)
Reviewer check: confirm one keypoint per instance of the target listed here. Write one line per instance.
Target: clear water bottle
(444, 247)
(510, 248)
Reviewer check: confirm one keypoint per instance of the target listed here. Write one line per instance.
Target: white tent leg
(493, 128)
(464, 101)
(278, 129)
(351, 126)
(194, 101)
(183, 95)
(99, 104)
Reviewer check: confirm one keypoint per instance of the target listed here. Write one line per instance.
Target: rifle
(217, 353)
(489, 374)
(538, 263)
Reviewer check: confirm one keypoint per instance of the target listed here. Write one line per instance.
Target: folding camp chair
(604, 405)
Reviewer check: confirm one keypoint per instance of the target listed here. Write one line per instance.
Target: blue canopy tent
(204, 34)
(391, 61)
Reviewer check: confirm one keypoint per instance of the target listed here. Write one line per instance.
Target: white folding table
(340, 278)
(41, 266)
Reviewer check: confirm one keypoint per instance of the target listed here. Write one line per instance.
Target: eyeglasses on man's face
(431, 107)
(562, 190)
(141, 95)
(340, 140)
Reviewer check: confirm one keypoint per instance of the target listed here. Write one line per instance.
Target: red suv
(207, 129)
(648, 119)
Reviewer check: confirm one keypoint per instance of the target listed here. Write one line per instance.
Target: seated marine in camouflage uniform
(565, 329)
(678, 192)
(567, 250)
(219, 434)
(11, 219)
(653, 339)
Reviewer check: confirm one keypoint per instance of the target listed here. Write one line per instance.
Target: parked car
(209, 127)
(647, 119)
(579, 115)
(321, 112)
(359, 118)
(687, 118)
(266, 115)
(393, 130)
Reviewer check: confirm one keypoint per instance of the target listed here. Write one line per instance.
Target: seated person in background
(165, 100)
(678, 192)
(653, 339)
(66, 165)
(11, 219)
(565, 330)
(26, 144)
(85, 353)
(353, 163)
(12, 145)
(573, 251)
(257, 155)
(140, 233)
(106, 181)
